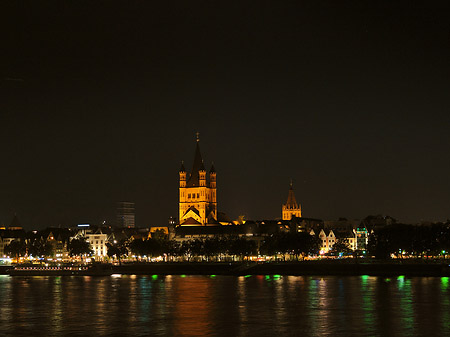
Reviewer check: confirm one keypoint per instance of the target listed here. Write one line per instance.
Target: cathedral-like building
(198, 194)
(291, 208)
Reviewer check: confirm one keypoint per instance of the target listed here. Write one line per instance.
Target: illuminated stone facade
(198, 195)
(98, 244)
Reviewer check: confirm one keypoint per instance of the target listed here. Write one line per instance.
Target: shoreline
(297, 268)
(301, 268)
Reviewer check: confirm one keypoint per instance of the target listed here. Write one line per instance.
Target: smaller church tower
(212, 176)
(291, 208)
(202, 175)
(213, 191)
(182, 176)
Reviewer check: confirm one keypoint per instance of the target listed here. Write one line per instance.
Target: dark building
(125, 214)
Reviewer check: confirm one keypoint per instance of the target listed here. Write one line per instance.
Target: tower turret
(212, 176)
(202, 175)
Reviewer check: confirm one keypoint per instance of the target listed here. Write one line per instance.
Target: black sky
(100, 102)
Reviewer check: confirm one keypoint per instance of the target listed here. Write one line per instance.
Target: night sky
(100, 102)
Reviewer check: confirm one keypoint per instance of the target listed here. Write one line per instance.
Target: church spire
(182, 169)
(291, 208)
(213, 169)
(194, 179)
(291, 202)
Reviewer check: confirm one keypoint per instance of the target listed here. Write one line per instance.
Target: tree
(242, 247)
(137, 247)
(173, 249)
(79, 247)
(118, 250)
(16, 248)
(160, 235)
(304, 244)
(40, 248)
(269, 246)
(341, 246)
(295, 244)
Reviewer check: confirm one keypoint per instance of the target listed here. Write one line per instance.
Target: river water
(224, 306)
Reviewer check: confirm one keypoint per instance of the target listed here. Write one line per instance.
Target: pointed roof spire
(194, 179)
(213, 169)
(291, 202)
(15, 221)
(202, 168)
(182, 169)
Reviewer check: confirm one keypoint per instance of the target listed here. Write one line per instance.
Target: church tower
(291, 208)
(198, 199)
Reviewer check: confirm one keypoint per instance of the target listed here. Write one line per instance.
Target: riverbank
(300, 268)
(339, 268)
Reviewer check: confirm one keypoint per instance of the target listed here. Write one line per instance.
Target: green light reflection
(401, 281)
(445, 304)
(407, 303)
(367, 301)
(364, 279)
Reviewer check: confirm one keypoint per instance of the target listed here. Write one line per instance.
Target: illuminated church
(291, 208)
(198, 194)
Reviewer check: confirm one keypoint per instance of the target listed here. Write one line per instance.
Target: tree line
(399, 240)
(294, 245)
(42, 249)
(402, 240)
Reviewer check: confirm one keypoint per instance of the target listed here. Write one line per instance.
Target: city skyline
(101, 104)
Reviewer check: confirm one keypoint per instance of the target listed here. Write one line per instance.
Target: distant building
(251, 229)
(9, 235)
(291, 208)
(198, 199)
(373, 222)
(58, 239)
(172, 221)
(15, 223)
(125, 214)
(362, 238)
(342, 224)
(98, 241)
(327, 240)
(356, 238)
(158, 231)
(306, 224)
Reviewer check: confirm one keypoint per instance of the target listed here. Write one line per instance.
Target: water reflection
(366, 292)
(445, 304)
(224, 306)
(193, 305)
(242, 299)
